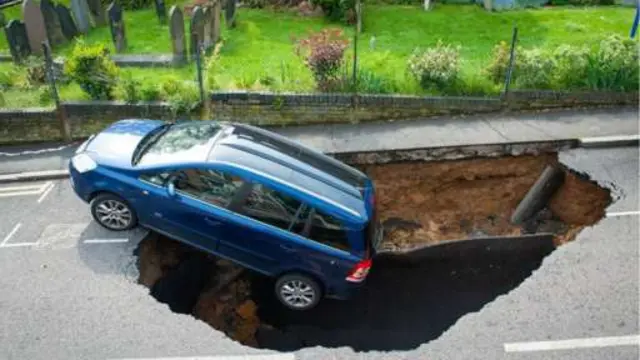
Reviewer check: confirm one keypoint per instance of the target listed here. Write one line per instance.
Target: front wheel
(298, 292)
(113, 213)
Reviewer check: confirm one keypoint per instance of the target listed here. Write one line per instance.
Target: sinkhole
(449, 249)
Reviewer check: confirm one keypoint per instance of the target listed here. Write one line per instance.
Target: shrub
(534, 69)
(149, 92)
(183, 96)
(571, 66)
(91, 67)
(435, 67)
(130, 88)
(324, 55)
(497, 69)
(613, 65)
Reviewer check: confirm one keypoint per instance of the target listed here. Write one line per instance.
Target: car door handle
(288, 248)
(212, 222)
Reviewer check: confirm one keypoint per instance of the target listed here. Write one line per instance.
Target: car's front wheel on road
(113, 213)
(298, 292)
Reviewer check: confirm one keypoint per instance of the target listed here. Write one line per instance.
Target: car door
(193, 213)
(259, 237)
(270, 239)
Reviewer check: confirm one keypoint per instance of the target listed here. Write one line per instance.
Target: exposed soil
(190, 282)
(419, 204)
(427, 203)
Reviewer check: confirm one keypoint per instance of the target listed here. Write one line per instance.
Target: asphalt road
(69, 291)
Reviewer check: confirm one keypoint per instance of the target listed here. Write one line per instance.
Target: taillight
(360, 271)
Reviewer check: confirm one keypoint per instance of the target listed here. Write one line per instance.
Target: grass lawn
(20, 96)
(260, 47)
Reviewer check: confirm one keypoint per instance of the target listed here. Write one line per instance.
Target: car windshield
(177, 142)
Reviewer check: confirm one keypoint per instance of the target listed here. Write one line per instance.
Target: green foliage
(534, 69)
(8, 79)
(130, 88)
(182, 95)
(149, 92)
(367, 82)
(571, 66)
(497, 69)
(44, 96)
(610, 65)
(473, 85)
(435, 67)
(613, 65)
(91, 67)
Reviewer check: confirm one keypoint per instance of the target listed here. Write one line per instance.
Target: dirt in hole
(211, 289)
(419, 204)
(427, 203)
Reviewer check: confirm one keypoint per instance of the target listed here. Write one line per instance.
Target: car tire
(113, 213)
(298, 292)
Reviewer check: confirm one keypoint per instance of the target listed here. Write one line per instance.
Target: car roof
(299, 168)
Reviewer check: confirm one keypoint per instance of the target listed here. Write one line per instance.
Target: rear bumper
(345, 291)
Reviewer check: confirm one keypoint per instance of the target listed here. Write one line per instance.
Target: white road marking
(46, 192)
(20, 188)
(19, 193)
(10, 245)
(623, 213)
(288, 356)
(10, 235)
(105, 241)
(573, 343)
(24, 190)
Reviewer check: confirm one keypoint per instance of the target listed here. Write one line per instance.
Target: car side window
(327, 230)
(159, 179)
(212, 186)
(271, 207)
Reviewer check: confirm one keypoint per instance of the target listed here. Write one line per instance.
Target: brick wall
(287, 109)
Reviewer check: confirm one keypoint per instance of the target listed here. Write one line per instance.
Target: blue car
(238, 192)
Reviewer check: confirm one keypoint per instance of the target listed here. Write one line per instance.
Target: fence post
(199, 69)
(65, 128)
(512, 55)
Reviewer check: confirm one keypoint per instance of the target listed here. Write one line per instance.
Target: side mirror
(171, 188)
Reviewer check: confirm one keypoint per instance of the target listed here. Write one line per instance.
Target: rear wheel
(298, 292)
(113, 213)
